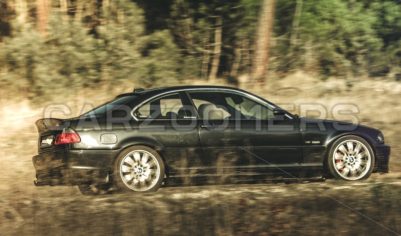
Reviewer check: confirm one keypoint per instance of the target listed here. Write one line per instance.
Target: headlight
(380, 138)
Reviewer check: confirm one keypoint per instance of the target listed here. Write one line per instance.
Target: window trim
(185, 91)
(184, 100)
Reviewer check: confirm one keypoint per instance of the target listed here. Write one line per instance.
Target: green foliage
(337, 36)
(73, 55)
(160, 60)
(388, 28)
(40, 66)
(161, 41)
(118, 39)
(192, 24)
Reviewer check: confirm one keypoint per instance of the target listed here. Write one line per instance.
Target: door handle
(189, 117)
(210, 126)
(204, 126)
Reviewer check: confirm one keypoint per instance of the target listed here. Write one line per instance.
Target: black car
(140, 140)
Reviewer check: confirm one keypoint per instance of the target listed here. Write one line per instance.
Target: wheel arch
(143, 141)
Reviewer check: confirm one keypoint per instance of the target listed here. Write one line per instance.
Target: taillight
(68, 136)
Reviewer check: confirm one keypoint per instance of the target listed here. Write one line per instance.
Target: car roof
(186, 87)
(154, 91)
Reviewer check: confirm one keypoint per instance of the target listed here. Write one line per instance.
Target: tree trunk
(42, 9)
(236, 62)
(63, 6)
(247, 56)
(205, 60)
(216, 49)
(21, 9)
(64, 9)
(261, 55)
(105, 6)
(295, 24)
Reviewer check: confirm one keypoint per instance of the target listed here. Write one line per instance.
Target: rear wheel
(138, 169)
(351, 158)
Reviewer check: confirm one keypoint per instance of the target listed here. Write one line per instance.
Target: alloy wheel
(352, 159)
(140, 170)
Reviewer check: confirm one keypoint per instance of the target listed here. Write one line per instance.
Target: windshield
(121, 103)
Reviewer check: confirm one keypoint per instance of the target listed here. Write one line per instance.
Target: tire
(351, 158)
(138, 169)
(91, 190)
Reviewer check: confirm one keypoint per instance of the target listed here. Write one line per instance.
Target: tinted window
(247, 108)
(167, 107)
(210, 105)
(218, 105)
(120, 107)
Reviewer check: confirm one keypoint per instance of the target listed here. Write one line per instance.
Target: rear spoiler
(47, 124)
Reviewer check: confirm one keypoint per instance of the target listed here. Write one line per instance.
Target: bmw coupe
(141, 140)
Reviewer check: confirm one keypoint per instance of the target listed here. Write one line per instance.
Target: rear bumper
(72, 167)
(382, 158)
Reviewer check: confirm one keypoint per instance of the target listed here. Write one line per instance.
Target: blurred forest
(47, 46)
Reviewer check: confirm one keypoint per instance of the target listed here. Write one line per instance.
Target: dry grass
(366, 208)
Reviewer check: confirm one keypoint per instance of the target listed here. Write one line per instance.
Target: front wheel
(351, 158)
(138, 169)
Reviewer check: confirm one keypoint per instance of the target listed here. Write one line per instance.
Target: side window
(245, 108)
(210, 105)
(223, 105)
(167, 107)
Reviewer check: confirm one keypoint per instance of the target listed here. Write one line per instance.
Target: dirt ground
(369, 207)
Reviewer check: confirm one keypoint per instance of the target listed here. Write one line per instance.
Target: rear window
(118, 107)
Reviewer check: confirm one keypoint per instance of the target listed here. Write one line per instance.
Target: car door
(241, 134)
(170, 121)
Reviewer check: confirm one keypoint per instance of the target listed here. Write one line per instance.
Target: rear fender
(146, 141)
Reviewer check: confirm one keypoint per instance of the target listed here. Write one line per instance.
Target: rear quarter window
(118, 107)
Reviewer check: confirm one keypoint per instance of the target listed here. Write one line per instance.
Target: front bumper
(382, 158)
(72, 167)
